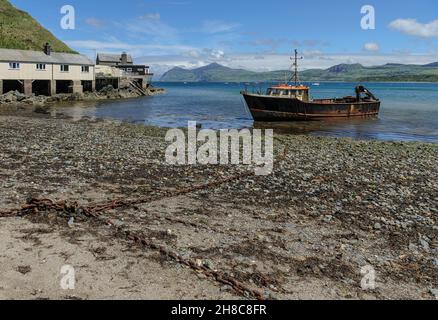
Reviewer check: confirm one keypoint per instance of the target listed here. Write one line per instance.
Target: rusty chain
(96, 211)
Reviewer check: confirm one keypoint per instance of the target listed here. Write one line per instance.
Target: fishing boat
(291, 101)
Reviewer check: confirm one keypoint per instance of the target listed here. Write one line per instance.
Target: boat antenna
(296, 78)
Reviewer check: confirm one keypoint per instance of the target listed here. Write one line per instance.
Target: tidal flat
(332, 208)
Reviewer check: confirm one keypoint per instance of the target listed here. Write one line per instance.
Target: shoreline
(331, 207)
(24, 110)
(17, 99)
(324, 81)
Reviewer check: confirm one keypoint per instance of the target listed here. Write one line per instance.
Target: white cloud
(151, 16)
(154, 42)
(162, 57)
(214, 53)
(218, 26)
(371, 46)
(270, 62)
(414, 28)
(193, 54)
(136, 50)
(312, 53)
(149, 25)
(95, 22)
(91, 44)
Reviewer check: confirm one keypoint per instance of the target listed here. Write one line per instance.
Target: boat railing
(255, 88)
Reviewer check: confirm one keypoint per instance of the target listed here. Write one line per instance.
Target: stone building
(119, 70)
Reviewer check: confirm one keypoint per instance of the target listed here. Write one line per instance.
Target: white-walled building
(45, 72)
(120, 70)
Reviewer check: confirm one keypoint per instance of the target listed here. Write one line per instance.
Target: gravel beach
(332, 211)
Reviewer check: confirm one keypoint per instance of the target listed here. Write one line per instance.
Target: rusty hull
(269, 108)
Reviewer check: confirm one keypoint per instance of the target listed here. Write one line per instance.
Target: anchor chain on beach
(96, 211)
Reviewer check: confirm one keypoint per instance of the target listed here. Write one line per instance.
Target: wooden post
(1, 87)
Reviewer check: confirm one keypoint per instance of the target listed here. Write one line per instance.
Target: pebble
(209, 264)
(226, 288)
(413, 248)
(424, 243)
(118, 223)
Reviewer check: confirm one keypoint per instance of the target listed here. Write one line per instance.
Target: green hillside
(343, 72)
(218, 73)
(385, 73)
(18, 30)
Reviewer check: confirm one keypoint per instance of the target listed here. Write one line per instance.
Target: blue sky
(257, 35)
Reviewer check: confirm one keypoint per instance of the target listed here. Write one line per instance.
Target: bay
(409, 110)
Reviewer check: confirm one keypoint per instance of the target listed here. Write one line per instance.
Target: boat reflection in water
(353, 127)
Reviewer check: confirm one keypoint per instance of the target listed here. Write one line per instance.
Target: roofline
(133, 65)
(112, 60)
(289, 87)
(111, 54)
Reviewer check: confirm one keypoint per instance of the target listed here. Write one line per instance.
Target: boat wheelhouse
(297, 92)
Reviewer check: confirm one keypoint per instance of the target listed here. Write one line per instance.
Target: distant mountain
(343, 72)
(344, 68)
(217, 73)
(432, 65)
(18, 30)
(391, 72)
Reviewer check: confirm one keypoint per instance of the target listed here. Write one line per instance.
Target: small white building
(45, 72)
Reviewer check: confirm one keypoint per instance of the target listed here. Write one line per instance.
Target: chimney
(47, 49)
(124, 58)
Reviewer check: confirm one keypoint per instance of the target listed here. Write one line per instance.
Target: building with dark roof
(45, 72)
(120, 70)
(107, 59)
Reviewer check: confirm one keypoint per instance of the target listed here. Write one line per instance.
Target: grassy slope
(217, 73)
(18, 30)
(391, 72)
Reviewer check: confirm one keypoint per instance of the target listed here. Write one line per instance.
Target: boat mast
(296, 78)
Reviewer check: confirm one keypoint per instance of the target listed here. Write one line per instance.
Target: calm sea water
(409, 110)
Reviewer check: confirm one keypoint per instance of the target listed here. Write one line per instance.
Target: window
(86, 69)
(128, 69)
(41, 66)
(65, 67)
(14, 65)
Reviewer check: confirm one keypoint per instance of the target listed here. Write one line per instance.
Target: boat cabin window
(273, 92)
(284, 92)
